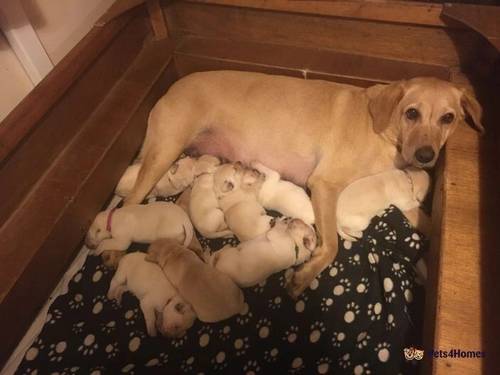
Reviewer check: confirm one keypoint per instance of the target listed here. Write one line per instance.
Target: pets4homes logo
(412, 353)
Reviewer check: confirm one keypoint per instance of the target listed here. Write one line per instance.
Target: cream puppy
(212, 294)
(180, 175)
(289, 243)
(283, 196)
(204, 209)
(116, 229)
(369, 196)
(162, 307)
(236, 188)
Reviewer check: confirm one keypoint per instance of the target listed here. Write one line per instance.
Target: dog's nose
(425, 154)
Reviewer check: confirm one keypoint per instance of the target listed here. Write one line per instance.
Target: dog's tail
(188, 233)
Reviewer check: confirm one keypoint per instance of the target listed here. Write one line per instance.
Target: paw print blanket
(355, 318)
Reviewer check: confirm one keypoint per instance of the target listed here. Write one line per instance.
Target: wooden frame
(108, 83)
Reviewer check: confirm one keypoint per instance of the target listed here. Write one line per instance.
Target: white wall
(59, 25)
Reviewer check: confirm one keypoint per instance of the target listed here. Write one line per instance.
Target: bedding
(355, 318)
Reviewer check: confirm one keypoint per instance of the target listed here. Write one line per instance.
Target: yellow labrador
(316, 133)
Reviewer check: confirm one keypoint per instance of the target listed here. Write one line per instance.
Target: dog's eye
(179, 307)
(447, 118)
(412, 114)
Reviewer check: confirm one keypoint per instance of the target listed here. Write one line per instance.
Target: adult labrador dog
(320, 134)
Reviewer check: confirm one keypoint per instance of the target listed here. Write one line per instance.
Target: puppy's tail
(188, 233)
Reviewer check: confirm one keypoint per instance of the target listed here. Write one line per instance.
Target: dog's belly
(237, 147)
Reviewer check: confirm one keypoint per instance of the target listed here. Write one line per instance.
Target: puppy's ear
(155, 253)
(382, 105)
(227, 186)
(472, 107)
(309, 242)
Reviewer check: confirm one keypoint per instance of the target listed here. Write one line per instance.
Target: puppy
(116, 229)
(369, 196)
(180, 175)
(162, 307)
(236, 189)
(204, 209)
(212, 294)
(283, 196)
(289, 243)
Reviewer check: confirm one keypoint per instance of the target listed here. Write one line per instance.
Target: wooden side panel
(58, 210)
(426, 45)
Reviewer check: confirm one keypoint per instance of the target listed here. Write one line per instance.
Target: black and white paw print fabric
(355, 318)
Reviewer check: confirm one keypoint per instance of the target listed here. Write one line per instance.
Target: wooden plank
(484, 19)
(24, 118)
(60, 124)
(60, 207)
(424, 45)
(117, 9)
(306, 60)
(389, 11)
(157, 19)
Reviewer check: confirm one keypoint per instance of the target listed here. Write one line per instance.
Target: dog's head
(304, 237)
(176, 318)
(206, 164)
(98, 231)
(182, 171)
(420, 114)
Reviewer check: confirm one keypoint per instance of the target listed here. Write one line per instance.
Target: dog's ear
(472, 108)
(382, 105)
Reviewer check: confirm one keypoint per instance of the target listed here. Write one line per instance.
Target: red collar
(108, 222)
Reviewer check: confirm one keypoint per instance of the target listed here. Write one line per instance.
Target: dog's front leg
(324, 200)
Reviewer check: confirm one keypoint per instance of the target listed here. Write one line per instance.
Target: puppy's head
(420, 181)
(97, 231)
(303, 235)
(182, 171)
(206, 164)
(162, 250)
(252, 179)
(420, 114)
(227, 178)
(176, 318)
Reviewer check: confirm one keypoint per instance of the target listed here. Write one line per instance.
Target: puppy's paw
(300, 280)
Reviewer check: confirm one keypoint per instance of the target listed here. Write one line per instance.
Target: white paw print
(98, 302)
(362, 339)
(131, 316)
(160, 361)
(355, 260)
(386, 252)
(224, 333)
(323, 365)
(103, 269)
(336, 268)
(406, 287)
(219, 361)
(362, 369)
(241, 345)
(89, 345)
(363, 285)
(69, 370)
(77, 277)
(291, 334)
(381, 226)
(338, 338)
(388, 210)
(204, 333)
(297, 366)
(352, 309)
(414, 241)
(345, 361)
(271, 355)
(108, 327)
(374, 311)
(390, 324)
(56, 350)
(251, 368)
(135, 340)
(344, 286)
(128, 369)
(373, 259)
(397, 269)
(286, 277)
(78, 327)
(76, 302)
(326, 303)
(391, 236)
(263, 327)
(53, 316)
(111, 350)
(179, 341)
(317, 328)
(99, 370)
(259, 288)
(187, 364)
(244, 316)
(389, 293)
(274, 303)
(300, 305)
(383, 352)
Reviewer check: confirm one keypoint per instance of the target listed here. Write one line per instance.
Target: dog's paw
(300, 280)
